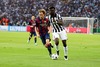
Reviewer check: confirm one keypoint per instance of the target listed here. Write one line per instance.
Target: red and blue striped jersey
(42, 25)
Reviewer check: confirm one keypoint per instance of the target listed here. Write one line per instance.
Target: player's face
(32, 17)
(52, 11)
(41, 15)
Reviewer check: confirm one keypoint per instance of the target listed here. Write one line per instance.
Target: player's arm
(36, 30)
(49, 27)
(60, 21)
(30, 24)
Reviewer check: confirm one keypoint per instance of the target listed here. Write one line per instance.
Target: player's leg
(48, 44)
(35, 38)
(63, 37)
(51, 43)
(31, 34)
(65, 47)
(45, 42)
(56, 39)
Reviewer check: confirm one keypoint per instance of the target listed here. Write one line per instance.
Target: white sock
(57, 48)
(65, 51)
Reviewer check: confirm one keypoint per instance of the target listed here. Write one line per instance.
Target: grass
(84, 51)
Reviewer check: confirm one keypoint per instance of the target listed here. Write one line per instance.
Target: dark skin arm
(60, 22)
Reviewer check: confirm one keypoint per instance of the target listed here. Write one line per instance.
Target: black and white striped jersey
(53, 22)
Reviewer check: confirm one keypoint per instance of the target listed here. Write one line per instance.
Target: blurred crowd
(19, 12)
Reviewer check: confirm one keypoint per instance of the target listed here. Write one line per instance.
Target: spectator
(16, 9)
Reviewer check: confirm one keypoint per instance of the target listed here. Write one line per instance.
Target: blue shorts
(44, 37)
(32, 33)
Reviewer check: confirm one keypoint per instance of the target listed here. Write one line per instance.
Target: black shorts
(33, 33)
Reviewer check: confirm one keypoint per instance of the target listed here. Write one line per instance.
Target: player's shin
(65, 47)
(29, 39)
(48, 46)
(35, 40)
(57, 47)
(49, 50)
(65, 51)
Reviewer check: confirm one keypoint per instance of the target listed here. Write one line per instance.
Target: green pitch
(84, 51)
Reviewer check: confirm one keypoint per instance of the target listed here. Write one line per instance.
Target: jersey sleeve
(59, 17)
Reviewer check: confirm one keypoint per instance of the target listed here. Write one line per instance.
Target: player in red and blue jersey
(32, 30)
(43, 30)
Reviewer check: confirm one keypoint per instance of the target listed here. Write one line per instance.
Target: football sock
(65, 51)
(49, 50)
(57, 48)
(29, 38)
(35, 40)
(51, 45)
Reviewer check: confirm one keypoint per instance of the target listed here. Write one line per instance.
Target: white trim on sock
(65, 51)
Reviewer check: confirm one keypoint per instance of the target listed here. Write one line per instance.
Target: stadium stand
(19, 11)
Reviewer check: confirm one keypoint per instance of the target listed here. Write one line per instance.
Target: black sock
(35, 40)
(51, 45)
(49, 50)
(29, 38)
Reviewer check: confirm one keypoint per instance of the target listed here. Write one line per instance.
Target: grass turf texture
(84, 51)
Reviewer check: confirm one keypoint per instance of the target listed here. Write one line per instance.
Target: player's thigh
(47, 37)
(43, 40)
(63, 35)
(55, 35)
(34, 33)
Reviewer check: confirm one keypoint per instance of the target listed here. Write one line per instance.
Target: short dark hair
(52, 7)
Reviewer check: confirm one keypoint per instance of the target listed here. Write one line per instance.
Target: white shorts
(62, 35)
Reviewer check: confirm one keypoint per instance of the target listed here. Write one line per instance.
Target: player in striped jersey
(58, 30)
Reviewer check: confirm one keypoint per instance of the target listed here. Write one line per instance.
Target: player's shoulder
(30, 20)
(46, 19)
(58, 15)
(37, 19)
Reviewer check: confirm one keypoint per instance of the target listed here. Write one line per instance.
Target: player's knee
(57, 41)
(34, 36)
(64, 43)
(47, 41)
(47, 45)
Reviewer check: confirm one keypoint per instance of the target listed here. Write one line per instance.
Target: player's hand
(49, 31)
(38, 35)
(31, 26)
